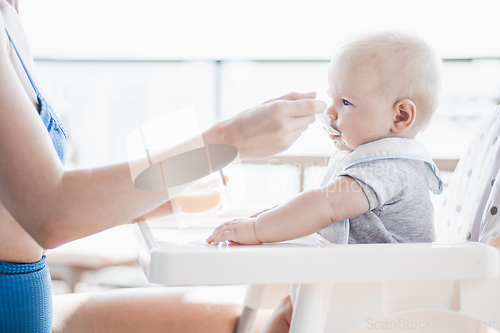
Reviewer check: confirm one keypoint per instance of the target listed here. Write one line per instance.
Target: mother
(43, 206)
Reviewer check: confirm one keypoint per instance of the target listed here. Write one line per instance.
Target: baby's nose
(330, 112)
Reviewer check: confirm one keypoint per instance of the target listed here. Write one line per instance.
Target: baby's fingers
(223, 236)
(210, 239)
(216, 231)
(215, 239)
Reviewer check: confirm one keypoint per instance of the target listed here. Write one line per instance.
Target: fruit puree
(202, 196)
(197, 202)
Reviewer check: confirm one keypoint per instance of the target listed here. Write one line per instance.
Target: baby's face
(361, 108)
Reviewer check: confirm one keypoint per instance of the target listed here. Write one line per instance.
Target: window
(103, 102)
(222, 58)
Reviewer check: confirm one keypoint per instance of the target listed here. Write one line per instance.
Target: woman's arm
(56, 206)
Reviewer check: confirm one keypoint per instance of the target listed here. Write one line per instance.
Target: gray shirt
(401, 210)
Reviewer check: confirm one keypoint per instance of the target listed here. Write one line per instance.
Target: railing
(303, 162)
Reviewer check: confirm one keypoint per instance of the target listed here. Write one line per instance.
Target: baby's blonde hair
(416, 67)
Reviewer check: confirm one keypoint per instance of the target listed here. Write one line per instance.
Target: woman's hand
(271, 127)
(241, 231)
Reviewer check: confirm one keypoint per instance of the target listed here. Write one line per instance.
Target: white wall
(257, 29)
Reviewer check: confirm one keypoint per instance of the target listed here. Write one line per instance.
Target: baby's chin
(340, 143)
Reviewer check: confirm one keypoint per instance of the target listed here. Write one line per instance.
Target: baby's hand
(240, 231)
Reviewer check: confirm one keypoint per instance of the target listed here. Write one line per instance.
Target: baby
(384, 88)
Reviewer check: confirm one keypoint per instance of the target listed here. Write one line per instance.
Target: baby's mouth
(327, 126)
(338, 131)
(333, 131)
(337, 137)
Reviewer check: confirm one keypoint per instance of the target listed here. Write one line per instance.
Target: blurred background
(108, 66)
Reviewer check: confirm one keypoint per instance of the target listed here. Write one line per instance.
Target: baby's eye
(346, 102)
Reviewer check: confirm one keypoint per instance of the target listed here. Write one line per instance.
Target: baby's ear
(405, 113)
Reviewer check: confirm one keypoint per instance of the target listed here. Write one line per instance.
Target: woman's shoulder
(7, 8)
(12, 29)
(9, 19)
(3, 6)
(3, 37)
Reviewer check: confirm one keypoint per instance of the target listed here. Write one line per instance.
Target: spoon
(326, 124)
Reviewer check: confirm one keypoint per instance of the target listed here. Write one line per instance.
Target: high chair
(433, 299)
(373, 287)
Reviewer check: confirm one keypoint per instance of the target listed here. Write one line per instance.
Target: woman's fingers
(296, 123)
(260, 131)
(301, 107)
(294, 96)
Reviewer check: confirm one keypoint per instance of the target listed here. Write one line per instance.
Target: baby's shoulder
(388, 165)
(404, 172)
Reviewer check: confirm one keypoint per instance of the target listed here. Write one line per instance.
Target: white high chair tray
(180, 257)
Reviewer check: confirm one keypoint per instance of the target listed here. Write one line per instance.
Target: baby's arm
(306, 213)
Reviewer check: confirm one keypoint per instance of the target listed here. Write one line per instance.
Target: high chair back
(473, 194)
